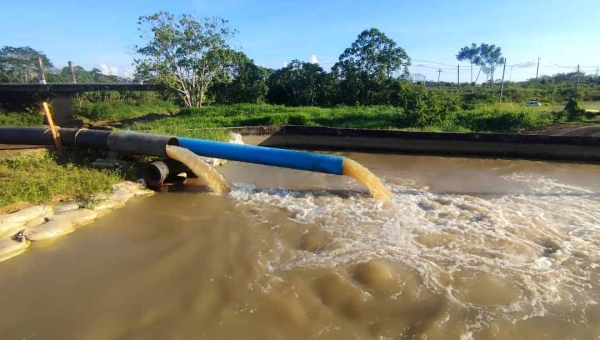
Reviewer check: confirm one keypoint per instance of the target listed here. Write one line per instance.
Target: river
(466, 249)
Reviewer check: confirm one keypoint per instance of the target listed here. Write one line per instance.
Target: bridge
(62, 93)
(79, 87)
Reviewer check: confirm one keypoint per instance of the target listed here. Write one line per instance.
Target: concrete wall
(567, 148)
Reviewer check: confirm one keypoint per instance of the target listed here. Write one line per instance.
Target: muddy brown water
(492, 249)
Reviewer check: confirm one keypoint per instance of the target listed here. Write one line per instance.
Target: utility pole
(458, 77)
(439, 74)
(73, 80)
(41, 71)
(502, 86)
(538, 69)
(577, 83)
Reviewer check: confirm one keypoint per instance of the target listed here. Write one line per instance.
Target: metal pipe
(92, 139)
(26, 136)
(140, 143)
(158, 172)
(268, 156)
(124, 142)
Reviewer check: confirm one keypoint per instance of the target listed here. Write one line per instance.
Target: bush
(573, 110)
(21, 119)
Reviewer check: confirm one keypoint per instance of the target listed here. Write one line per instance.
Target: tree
(184, 53)
(244, 82)
(19, 64)
(491, 56)
(366, 64)
(472, 55)
(299, 84)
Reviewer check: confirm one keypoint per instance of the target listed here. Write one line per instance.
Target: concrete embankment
(543, 147)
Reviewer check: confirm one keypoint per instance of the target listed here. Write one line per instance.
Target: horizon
(272, 34)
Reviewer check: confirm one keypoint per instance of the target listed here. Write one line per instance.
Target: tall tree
(299, 83)
(19, 64)
(367, 63)
(491, 57)
(185, 53)
(243, 82)
(470, 54)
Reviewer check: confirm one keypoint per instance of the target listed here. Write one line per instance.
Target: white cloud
(109, 70)
(285, 63)
(128, 72)
(313, 59)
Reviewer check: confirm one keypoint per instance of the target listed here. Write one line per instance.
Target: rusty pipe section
(123, 142)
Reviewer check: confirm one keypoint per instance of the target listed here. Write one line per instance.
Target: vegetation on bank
(21, 119)
(490, 118)
(119, 110)
(46, 177)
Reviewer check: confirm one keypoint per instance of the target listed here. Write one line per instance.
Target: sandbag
(59, 209)
(35, 222)
(25, 215)
(138, 189)
(126, 186)
(49, 230)
(76, 217)
(7, 227)
(236, 138)
(11, 247)
(119, 196)
(107, 204)
(143, 192)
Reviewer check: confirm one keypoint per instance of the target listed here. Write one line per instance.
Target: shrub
(573, 110)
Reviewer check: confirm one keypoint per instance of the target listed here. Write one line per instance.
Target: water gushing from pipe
(215, 181)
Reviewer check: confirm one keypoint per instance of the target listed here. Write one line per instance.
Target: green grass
(21, 119)
(196, 122)
(44, 177)
(120, 110)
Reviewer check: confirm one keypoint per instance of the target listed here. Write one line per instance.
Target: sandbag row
(42, 222)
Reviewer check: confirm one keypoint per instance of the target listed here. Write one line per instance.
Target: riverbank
(45, 177)
(486, 118)
(165, 118)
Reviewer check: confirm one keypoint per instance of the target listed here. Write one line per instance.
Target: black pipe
(67, 136)
(159, 172)
(92, 139)
(124, 142)
(26, 135)
(140, 143)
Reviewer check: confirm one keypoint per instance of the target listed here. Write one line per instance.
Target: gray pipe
(140, 143)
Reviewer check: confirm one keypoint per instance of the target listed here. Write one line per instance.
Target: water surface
(466, 249)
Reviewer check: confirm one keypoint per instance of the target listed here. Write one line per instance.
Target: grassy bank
(165, 118)
(21, 119)
(47, 177)
(490, 118)
(119, 110)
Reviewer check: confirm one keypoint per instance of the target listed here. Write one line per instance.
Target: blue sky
(101, 33)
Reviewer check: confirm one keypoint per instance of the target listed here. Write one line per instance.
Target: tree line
(196, 61)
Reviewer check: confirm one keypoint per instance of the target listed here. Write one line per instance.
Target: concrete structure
(62, 94)
(503, 145)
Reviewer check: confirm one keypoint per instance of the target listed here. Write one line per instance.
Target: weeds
(44, 177)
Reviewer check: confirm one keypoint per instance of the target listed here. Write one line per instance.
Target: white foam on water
(542, 244)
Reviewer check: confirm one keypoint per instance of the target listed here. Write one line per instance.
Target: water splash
(538, 260)
(367, 178)
(215, 181)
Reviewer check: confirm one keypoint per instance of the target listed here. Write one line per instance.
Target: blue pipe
(268, 156)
